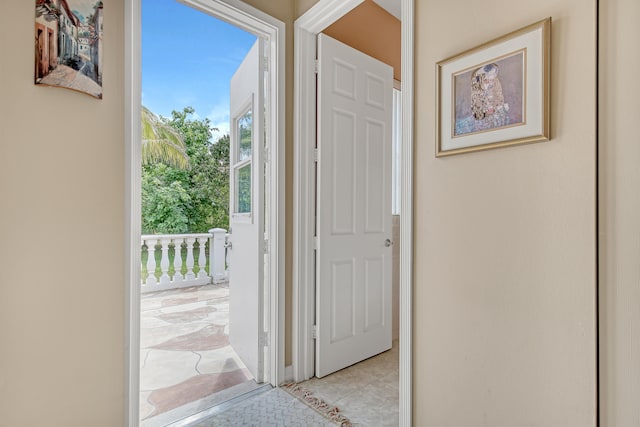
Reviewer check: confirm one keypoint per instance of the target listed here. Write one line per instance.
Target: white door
(246, 219)
(353, 273)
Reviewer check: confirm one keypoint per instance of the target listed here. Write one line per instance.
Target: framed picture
(68, 45)
(496, 94)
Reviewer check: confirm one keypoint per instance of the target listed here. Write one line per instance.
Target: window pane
(245, 126)
(243, 189)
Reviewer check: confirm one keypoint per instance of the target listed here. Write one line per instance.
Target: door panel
(343, 178)
(246, 256)
(375, 203)
(374, 293)
(353, 275)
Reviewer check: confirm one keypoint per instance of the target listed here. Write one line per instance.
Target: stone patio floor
(185, 356)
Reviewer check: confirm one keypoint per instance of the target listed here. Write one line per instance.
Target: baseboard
(288, 374)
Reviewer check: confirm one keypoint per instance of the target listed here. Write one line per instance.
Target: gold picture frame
(497, 94)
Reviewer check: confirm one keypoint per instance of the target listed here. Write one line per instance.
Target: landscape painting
(68, 45)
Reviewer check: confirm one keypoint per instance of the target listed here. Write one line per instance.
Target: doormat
(320, 406)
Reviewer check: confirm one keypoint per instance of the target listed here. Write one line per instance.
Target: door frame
(306, 29)
(261, 24)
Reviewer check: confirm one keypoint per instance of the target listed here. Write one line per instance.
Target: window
(245, 124)
(243, 189)
(242, 164)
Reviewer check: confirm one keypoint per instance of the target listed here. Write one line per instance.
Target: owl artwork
(487, 101)
(486, 108)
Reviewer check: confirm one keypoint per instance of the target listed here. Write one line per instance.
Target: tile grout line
(198, 362)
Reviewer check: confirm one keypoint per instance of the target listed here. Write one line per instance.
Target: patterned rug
(330, 412)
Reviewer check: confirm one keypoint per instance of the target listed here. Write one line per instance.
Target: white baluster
(217, 254)
(151, 262)
(177, 260)
(164, 262)
(190, 274)
(202, 258)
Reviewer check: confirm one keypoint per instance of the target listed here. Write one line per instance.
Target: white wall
(619, 151)
(505, 240)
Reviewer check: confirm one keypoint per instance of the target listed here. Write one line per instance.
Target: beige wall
(281, 9)
(504, 277)
(62, 227)
(301, 6)
(619, 150)
(505, 247)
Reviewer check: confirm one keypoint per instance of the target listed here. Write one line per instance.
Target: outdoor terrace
(186, 362)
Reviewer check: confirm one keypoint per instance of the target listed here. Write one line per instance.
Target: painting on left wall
(68, 45)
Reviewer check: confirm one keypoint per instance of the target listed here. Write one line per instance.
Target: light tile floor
(367, 392)
(185, 355)
(186, 363)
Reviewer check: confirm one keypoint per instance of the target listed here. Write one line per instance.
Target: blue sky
(188, 59)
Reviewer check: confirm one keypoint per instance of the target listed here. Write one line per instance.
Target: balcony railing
(202, 259)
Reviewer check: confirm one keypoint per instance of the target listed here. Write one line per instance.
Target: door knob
(388, 242)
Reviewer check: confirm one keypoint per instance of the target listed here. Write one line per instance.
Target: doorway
(271, 34)
(353, 253)
(307, 27)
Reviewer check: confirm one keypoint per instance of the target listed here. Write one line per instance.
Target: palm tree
(161, 142)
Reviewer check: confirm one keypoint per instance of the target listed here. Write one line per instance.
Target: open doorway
(185, 280)
(308, 242)
(199, 338)
(355, 347)
(357, 227)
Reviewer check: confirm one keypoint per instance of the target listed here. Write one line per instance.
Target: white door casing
(248, 18)
(353, 275)
(246, 219)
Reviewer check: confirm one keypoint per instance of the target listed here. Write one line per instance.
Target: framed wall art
(68, 45)
(496, 94)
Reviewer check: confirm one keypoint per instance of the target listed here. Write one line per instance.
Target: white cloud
(219, 117)
(219, 112)
(223, 129)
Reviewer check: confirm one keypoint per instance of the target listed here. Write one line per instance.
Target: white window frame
(244, 217)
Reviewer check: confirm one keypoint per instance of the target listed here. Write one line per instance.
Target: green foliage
(161, 142)
(190, 200)
(165, 202)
